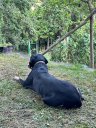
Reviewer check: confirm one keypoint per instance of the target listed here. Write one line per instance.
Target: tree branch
(70, 32)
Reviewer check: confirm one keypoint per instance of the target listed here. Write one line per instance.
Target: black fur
(54, 92)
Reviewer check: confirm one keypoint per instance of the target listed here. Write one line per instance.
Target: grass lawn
(22, 108)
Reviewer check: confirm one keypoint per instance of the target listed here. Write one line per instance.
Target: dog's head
(36, 58)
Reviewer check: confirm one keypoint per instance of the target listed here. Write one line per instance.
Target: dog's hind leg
(52, 101)
(82, 98)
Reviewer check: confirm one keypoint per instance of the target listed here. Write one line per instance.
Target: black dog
(54, 92)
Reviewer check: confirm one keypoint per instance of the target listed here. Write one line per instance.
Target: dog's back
(55, 92)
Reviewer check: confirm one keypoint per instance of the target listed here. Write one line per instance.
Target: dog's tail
(82, 98)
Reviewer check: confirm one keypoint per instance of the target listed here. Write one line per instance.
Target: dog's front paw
(16, 78)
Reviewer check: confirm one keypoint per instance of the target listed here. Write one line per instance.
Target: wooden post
(29, 49)
(37, 47)
(91, 42)
(48, 43)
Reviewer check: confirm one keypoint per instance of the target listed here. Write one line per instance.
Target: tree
(17, 26)
(91, 8)
(74, 18)
(69, 33)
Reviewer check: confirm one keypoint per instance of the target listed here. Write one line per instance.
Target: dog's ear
(31, 62)
(30, 65)
(46, 61)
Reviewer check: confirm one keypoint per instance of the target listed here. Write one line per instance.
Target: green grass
(22, 108)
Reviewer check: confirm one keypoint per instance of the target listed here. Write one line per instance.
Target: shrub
(73, 50)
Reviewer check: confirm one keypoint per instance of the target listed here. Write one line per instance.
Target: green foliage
(60, 52)
(22, 21)
(23, 5)
(50, 18)
(5, 44)
(22, 24)
(17, 27)
(76, 49)
(79, 50)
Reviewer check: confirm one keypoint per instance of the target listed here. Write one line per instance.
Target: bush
(5, 44)
(73, 50)
(59, 53)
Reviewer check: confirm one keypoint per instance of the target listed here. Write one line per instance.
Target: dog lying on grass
(54, 92)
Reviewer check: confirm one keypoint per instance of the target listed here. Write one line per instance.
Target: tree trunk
(91, 42)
